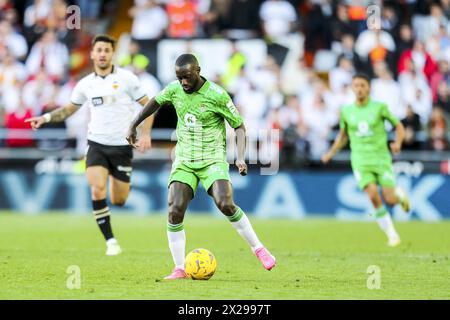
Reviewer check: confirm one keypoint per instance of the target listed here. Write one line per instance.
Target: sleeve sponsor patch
(231, 107)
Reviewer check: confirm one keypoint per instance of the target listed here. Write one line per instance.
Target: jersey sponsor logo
(97, 101)
(190, 120)
(363, 129)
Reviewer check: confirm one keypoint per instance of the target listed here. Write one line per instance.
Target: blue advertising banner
(288, 194)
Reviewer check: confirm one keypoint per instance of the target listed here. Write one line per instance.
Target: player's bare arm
(149, 109)
(241, 144)
(396, 146)
(57, 115)
(340, 142)
(145, 140)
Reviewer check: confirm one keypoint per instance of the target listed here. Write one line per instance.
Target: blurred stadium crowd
(407, 59)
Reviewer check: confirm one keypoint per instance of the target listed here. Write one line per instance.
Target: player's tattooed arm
(63, 113)
(150, 108)
(340, 142)
(241, 146)
(396, 146)
(57, 115)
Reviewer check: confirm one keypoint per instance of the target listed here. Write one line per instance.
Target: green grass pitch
(316, 259)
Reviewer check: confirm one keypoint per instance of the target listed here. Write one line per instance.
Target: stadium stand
(312, 50)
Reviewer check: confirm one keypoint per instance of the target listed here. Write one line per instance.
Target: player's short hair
(104, 38)
(185, 59)
(361, 75)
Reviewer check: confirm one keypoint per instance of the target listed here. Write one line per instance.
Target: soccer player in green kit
(202, 108)
(363, 124)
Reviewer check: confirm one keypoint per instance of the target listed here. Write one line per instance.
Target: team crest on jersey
(115, 85)
(202, 108)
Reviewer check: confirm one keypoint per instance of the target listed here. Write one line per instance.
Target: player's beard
(104, 66)
(362, 98)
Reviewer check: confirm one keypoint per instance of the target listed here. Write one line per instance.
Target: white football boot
(112, 247)
(394, 241)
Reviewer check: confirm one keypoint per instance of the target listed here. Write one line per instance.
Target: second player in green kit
(363, 123)
(202, 107)
(370, 157)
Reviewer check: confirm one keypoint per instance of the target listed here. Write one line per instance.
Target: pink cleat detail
(177, 273)
(266, 258)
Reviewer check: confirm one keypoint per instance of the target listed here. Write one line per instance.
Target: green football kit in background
(370, 156)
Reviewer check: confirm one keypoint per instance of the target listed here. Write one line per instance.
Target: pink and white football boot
(268, 261)
(177, 273)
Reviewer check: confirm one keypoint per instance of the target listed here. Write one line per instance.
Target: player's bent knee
(227, 207)
(98, 192)
(119, 202)
(391, 200)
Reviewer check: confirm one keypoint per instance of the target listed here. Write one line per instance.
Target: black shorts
(117, 159)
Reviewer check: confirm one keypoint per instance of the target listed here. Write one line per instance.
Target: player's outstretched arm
(396, 146)
(150, 108)
(241, 145)
(340, 142)
(57, 115)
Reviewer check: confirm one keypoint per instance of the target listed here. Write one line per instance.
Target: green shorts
(382, 175)
(191, 173)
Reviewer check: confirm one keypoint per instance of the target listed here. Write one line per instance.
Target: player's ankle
(111, 241)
